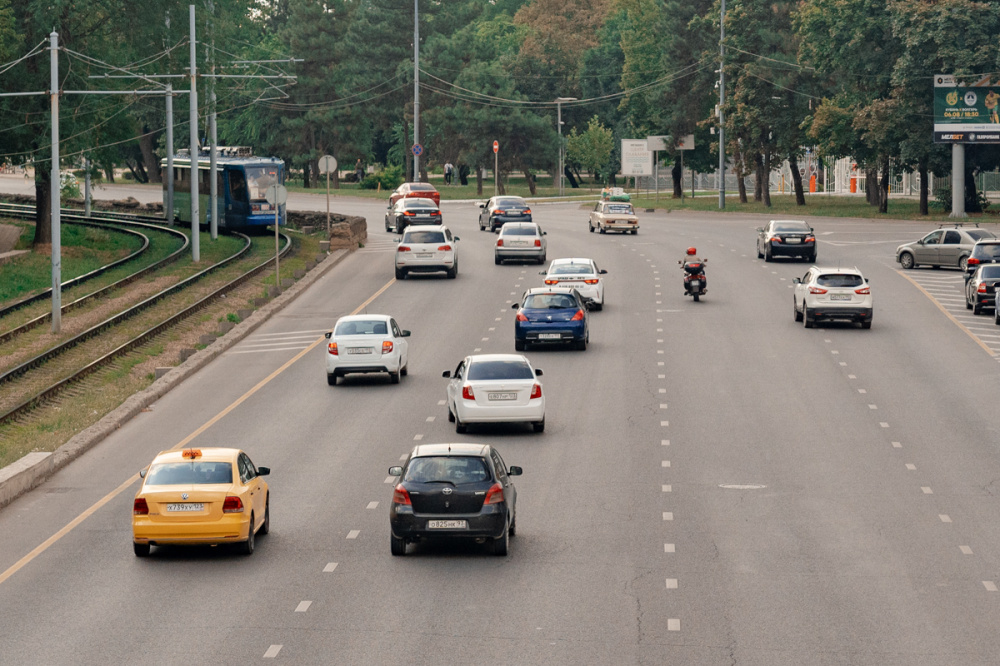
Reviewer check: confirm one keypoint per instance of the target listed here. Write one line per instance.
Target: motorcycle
(695, 284)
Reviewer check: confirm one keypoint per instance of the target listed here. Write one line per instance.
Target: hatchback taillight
(982, 288)
(444, 248)
(332, 348)
(520, 317)
(536, 391)
(232, 504)
(578, 316)
(864, 291)
(817, 290)
(402, 248)
(400, 496)
(499, 242)
(386, 347)
(494, 495)
(538, 242)
(972, 261)
(139, 507)
(467, 393)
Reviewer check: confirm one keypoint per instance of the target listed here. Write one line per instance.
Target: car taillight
(499, 212)
(864, 291)
(332, 348)
(527, 211)
(810, 239)
(467, 393)
(594, 281)
(774, 239)
(816, 290)
(139, 507)
(386, 347)
(409, 214)
(499, 242)
(444, 248)
(578, 316)
(982, 288)
(552, 282)
(972, 261)
(402, 248)
(538, 242)
(494, 495)
(536, 391)
(520, 317)
(400, 496)
(232, 504)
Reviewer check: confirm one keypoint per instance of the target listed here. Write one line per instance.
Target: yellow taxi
(200, 496)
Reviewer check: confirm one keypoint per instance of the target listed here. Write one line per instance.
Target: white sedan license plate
(501, 396)
(186, 506)
(549, 336)
(447, 525)
(840, 297)
(359, 350)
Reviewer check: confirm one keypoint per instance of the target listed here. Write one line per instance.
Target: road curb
(33, 469)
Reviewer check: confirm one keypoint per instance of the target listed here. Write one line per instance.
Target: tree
(592, 148)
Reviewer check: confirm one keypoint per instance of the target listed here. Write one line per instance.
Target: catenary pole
(54, 201)
(169, 203)
(722, 100)
(958, 180)
(195, 215)
(559, 126)
(86, 187)
(416, 88)
(213, 160)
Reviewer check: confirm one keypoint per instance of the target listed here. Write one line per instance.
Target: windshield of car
(514, 369)
(624, 209)
(509, 201)
(423, 237)
(570, 269)
(991, 250)
(791, 227)
(418, 202)
(188, 473)
(549, 302)
(455, 470)
(367, 327)
(259, 179)
(990, 272)
(840, 280)
(979, 234)
(518, 231)
(421, 187)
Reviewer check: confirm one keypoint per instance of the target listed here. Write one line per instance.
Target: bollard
(159, 372)
(225, 327)
(207, 340)
(244, 313)
(185, 354)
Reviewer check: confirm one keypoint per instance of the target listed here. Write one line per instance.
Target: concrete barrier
(159, 372)
(298, 274)
(207, 339)
(286, 283)
(185, 354)
(244, 313)
(25, 474)
(225, 326)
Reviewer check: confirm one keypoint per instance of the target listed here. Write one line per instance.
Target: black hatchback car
(981, 289)
(453, 491)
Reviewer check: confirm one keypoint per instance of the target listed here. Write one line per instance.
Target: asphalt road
(716, 484)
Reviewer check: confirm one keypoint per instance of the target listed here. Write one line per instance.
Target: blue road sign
(417, 149)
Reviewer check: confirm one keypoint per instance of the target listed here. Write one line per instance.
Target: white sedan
(832, 294)
(580, 274)
(366, 343)
(495, 388)
(427, 249)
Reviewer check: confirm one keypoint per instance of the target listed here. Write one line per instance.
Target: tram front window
(259, 179)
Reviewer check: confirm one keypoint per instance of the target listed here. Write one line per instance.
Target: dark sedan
(551, 315)
(500, 210)
(412, 210)
(788, 238)
(453, 491)
(980, 290)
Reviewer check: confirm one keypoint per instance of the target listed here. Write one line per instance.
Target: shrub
(69, 186)
(389, 178)
(942, 198)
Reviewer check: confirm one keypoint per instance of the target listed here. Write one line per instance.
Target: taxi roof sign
(191, 453)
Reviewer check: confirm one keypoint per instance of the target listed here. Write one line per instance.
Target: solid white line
(671, 583)
(668, 515)
(945, 518)
(372, 505)
(329, 568)
(264, 351)
(911, 466)
(965, 550)
(927, 490)
(266, 335)
(272, 652)
(353, 534)
(673, 624)
(303, 606)
(666, 489)
(990, 586)
(668, 548)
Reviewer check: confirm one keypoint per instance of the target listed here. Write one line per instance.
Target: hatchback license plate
(447, 525)
(185, 506)
(840, 297)
(424, 255)
(359, 350)
(501, 396)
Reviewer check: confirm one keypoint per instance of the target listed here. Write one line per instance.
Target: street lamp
(559, 101)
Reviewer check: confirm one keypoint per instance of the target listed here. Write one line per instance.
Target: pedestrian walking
(359, 171)
(448, 170)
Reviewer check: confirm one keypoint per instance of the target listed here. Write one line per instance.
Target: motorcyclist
(692, 258)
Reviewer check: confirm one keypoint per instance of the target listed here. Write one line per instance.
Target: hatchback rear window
(447, 469)
(839, 280)
(519, 231)
(500, 370)
(991, 250)
(361, 328)
(570, 269)
(188, 473)
(979, 234)
(423, 237)
(990, 272)
(550, 302)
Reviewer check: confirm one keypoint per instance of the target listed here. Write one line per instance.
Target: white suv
(427, 249)
(832, 294)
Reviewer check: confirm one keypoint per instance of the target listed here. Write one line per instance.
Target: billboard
(637, 160)
(965, 113)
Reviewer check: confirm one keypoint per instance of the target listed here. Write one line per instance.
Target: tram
(243, 180)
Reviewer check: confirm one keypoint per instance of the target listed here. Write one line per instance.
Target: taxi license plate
(840, 297)
(447, 525)
(549, 336)
(359, 350)
(793, 241)
(501, 396)
(574, 285)
(185, 506)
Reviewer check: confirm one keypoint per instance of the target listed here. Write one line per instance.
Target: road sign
(655, 143)
(327, 164)
(637, 160)
(276, 195)
(417, 150)
(496, 146)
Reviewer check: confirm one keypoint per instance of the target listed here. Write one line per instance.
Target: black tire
(935, 266)
(591, 228)
(502, 544)
(460, 427)
(512, 530)
(601, 229)
(866, 324)
(963, 263)
(266, 527)
(399, 229)
(451, 416)
(977, 309)
(906, 261)
(635, 231)
(795, 311)
(767, 254)
(760, 255)
(393, 377)
(247, 547)
(497, 260)
(519, 345)
(140, 549)
(539, 426)
(968, 303)
(598, 306)
(331, 380)
(396, 545)
(452, 272)
(807, 321)
(405, 370)
(541, 260)
(996, 317)
(696, 297)
(811, 258)
(400, 274)
(581, 345)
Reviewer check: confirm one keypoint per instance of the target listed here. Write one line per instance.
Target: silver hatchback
(942, 247)
(520, 240)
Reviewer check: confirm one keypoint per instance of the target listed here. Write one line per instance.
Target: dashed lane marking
(664, 463)
(668, 548)
(303, 606)
(911, 467)
(272, 652)
(926, 490)
(666, 489)
(664, 442)
(330, 567)
(372, 505)
(673, 624)
(353, 534)
(897, 445)
(668, 515)
(990, 586)
(671, 583)
(416, 438)
(945, 518)
(965, 550)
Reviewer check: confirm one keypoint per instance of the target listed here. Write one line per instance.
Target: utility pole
(559, 123)
(54, 199)
(722, 100)
(416, 89)
(168, 205)
(212, 137)
(195, 215)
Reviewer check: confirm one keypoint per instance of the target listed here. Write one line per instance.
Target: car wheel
(393, 377)
(935, 266)
(519, 345)
(795, 311)
(581, 345)
(405, 370)
(400, 274)
(807, 321)
(539, 426)
(541, 260)
(331, 380)
(906, 261)
(512, 530)
(460, 427)
(996, 317)
(977, 309)
(399, 229)
(452, 272)
(591, 228)
(963, 263)
(397, 545)
(247, 546)
(968, 303)
(866, 324)
(497, 260)
(451, 416)
(767, 254)
(760, 255)
(266, 527)
(601, 229)
(501, 544)
(811, 258)
(635, 231)
(598, 306)
(140, 549)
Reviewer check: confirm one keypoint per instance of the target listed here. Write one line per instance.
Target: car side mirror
(396, 471)
(515, 471)
(545, 233)
(514, 306)
(404, 334)
(482, 205)
(604, 272)
(446, 373)
(457, 238)
(797, 281)
(538, 372)
(142, 474)
(328, 335)
(397, 239)
(760, 230)
(263, 471)
(542, 273)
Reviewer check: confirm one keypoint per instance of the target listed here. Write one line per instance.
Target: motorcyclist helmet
(691, 251)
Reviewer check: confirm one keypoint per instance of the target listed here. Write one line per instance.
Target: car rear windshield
(991, 250)
(424, 237)
(791, 227)
(421, 187)
(367, 327)
(419, 202)
(570, 269)
(979, 234)
(455, 470)
(500, 370)
(188, 473)
(622, 209)
(990, 272)
(549, 302)
(510, 202)
(519, 231)
(839, 280)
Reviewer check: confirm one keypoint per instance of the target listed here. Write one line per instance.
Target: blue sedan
(551, 316)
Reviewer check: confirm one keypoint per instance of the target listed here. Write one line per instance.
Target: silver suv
(943, 247)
